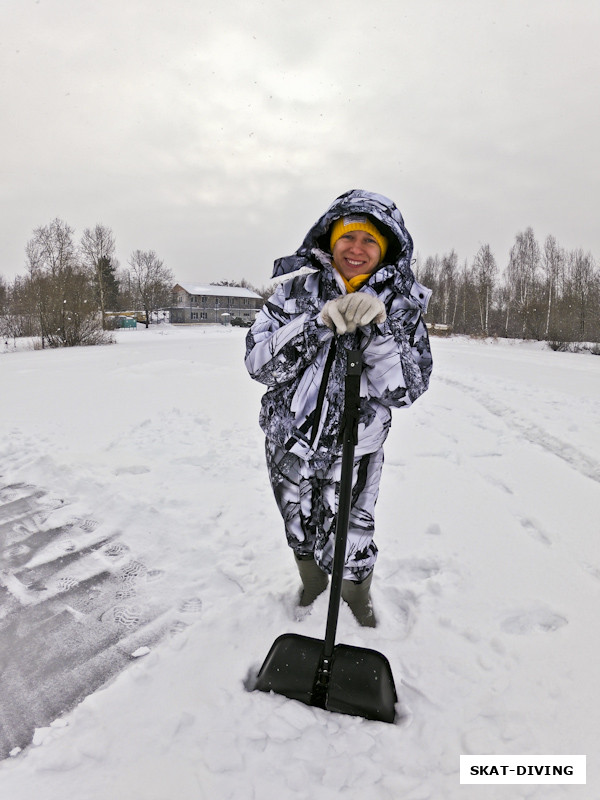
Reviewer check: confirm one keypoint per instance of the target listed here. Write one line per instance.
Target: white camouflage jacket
(303, 363)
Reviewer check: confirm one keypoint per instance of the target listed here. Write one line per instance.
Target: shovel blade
(360, 681)
(361, 684)
(291, 666)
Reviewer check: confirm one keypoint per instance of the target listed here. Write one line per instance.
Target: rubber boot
(314, 580)
(358, 597)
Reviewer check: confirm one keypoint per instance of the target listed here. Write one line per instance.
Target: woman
(355, 290)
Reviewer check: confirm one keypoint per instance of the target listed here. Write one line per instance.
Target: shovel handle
(354, 363)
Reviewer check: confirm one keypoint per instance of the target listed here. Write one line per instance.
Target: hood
(357, 201)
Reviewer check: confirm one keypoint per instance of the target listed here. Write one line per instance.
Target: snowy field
(487, 586)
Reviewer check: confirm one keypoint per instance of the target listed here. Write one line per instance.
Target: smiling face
(356, 253)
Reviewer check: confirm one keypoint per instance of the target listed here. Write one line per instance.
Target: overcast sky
(216, 133)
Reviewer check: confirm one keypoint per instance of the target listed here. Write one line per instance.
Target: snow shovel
(340, 678)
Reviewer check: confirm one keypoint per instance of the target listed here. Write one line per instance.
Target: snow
(214, 290)
(486, 588)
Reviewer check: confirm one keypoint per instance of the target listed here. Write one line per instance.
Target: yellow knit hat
(357, 223)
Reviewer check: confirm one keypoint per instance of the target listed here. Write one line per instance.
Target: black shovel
(341, 678)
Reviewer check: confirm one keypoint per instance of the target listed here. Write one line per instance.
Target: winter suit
(303, 362)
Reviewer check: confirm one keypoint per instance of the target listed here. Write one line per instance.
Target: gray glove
(351, 311)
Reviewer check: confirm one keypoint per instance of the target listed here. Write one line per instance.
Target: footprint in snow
(434, 529)
(193, 605)
(127, 616)
(535, 531)
(130, 576)
(591, 569)
(132, 572)
(86, 525)
(115, 550)
(67, 583)
(134, 469)
(418, 569)
(534, 621)
(403, 605)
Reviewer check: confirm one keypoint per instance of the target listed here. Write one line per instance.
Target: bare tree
(126, 290)
(3, 296)
(553, 262)
(429, 273)
(448, 287)
(581, 274)
(51, 256)
(18, 319)
(58, 290)
(522, 278)
(98, 250)
(51, 249)
(4, 309)
(153, 282)
(463, 291)
(484, 274)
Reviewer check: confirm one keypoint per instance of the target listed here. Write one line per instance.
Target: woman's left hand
(346, 314)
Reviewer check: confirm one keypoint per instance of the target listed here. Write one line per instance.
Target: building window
(194, 315)
(194, 299)
(204, 299)
(203, 315)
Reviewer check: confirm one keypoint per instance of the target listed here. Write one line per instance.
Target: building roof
(218, 291)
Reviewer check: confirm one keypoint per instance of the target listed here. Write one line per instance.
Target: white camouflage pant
(308, 498)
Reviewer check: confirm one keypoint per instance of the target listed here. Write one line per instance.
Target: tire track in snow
(586, 466)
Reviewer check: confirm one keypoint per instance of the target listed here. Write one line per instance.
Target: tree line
(544, 292)
(70, 287)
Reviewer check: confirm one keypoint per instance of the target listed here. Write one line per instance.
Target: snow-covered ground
(487, 586)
